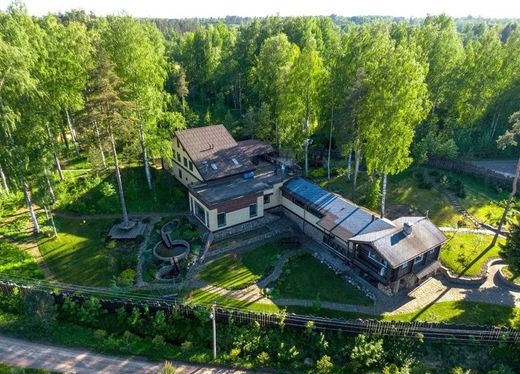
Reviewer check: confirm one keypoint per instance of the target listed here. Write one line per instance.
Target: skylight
(214, 166)
(235, 161)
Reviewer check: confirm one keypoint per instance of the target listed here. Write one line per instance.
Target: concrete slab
(505, 167)
(120, 232)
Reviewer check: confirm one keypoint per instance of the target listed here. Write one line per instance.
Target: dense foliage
(171, 335)
(386, 91)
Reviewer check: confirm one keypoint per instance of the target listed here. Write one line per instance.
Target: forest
(382, 93)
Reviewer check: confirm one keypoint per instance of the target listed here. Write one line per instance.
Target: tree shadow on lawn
(476, 259)
(89, 198)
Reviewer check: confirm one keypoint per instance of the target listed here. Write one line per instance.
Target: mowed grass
(78, 255)
(306, 278)
(204, 297)
(15, 261)
(465, 312)
(239, 270)
(465, 253)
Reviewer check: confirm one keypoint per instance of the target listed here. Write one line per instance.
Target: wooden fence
(111, 301)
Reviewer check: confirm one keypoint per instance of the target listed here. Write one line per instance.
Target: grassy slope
(83, 193)
(306, 278)
(236, 271)
(481, 200)
(463, 312)
(79, 254)
(465, 253)
(15, 261)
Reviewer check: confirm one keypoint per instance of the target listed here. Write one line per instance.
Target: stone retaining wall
(250, 241)
(245, 227)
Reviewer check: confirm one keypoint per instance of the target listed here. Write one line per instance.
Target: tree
(509, 139)
(300, 100)
(137, 52)
(181, 87)
(107, 108)
(272, 71)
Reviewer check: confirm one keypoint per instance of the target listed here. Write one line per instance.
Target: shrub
(324, 365)
(158, 341)
(90, 311)
(168, 368)
(263, 358)
(39, 308)
(126, 278)
(367, 352)
(186, 346)
(234, 354)
(100, 334)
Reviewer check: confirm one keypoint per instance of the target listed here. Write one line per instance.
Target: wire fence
(112, 300)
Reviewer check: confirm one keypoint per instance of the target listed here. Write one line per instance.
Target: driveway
(77, 360)
(505, 167)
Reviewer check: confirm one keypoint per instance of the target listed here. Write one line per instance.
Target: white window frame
(404, 266)
(418, 259)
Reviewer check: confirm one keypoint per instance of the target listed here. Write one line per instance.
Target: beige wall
(276, 196)
(300, 212)
(188, 176)
(232, 218)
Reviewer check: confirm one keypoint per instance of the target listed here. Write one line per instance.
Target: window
(418, 259)
(180, 173)
(214, 166)
(191, 165)
(404, 266)
(235, 161)
(252, 210)
(178, 143)
(431, 252)
(221, 219)
(185, 162)
(179, 156)
(199, 212)
(267, 199)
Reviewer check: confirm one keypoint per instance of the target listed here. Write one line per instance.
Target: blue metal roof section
(341, 217)
(309, 192)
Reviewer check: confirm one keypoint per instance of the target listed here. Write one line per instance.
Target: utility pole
(213, 317)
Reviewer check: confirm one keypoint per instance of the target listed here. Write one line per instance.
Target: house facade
(232, 183)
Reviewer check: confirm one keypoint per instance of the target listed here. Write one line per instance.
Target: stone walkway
(140, 258)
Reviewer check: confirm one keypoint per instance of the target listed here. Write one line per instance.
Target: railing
(112, 300)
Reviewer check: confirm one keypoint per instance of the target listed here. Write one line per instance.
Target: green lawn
(239, 270)
(82, 255)
(306, 278)
(463, 312)
(15, 261)
(207, 298)
(9, 369)
(84, 193)
(465, 253)
(482, 199)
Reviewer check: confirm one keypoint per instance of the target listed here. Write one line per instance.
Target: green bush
(324, 365)
(126, 278)
(367, 352)
(39, 309)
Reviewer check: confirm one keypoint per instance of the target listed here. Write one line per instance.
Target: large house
(232, 183)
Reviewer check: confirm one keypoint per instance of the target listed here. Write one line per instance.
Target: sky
(259, 8)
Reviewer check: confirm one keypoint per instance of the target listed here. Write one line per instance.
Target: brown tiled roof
(253, 147)
(214, 152)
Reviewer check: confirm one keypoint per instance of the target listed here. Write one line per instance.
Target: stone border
(173, 243)
(506, 282)
(477, 280)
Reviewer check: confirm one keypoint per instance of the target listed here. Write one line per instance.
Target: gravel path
(78, 360)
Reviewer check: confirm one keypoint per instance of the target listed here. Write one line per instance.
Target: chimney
(407, 228)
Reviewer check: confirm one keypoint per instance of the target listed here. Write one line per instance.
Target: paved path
(140, 258)
(78, 360)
